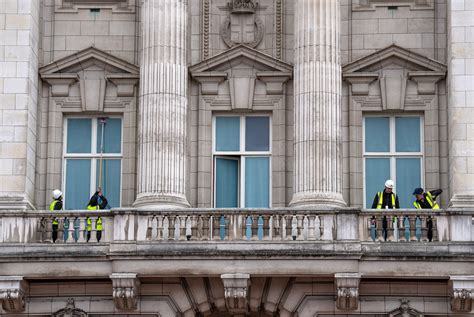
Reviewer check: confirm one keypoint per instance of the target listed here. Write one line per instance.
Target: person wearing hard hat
(56, 204)
(426, 200)
(386, 199)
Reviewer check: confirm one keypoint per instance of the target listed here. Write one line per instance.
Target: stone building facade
(240, 143)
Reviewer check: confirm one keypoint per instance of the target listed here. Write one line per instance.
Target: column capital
(347, 285)
(235, 292)
(13, 290)
(125, 290)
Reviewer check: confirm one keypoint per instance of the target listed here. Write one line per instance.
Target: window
(89, 162)
(241, 153)
(393, 149)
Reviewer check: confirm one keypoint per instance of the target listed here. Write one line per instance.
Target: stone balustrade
(259, 225)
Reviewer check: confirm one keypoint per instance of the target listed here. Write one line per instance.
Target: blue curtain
(78, 179)
(257, 133)
(408, 178)
(79, 135)
(227, 134)
(257, 182)
(407, 132)
(377, 171)
(377, 134)
(112, 135)
(227, 183)
(111, 173)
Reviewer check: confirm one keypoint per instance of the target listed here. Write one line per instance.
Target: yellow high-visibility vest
(379, 205)
(430, 200)
(98, 224)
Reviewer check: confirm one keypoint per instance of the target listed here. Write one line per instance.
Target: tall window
(393, 149)
(242, 149)
(92, 158)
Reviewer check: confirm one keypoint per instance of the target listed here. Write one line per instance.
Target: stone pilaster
(462, 293)
(19, 44)
(347, 285)
(236, 288)
(162, 105)
(125, 290)
(317, 112)
(12, 293)
(461, 103)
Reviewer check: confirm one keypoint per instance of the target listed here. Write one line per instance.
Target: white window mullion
(242, 182)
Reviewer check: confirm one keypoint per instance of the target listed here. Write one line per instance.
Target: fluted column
(162, 105)
(317, 109)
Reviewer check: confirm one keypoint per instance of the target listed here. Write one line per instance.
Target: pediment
(90, 58)
(394, 57)
(242, 55)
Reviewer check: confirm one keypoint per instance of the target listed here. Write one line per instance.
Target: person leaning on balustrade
(426, 200)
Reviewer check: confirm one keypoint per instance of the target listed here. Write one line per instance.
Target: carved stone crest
(405, 310)
(70, 310)
(242, 26)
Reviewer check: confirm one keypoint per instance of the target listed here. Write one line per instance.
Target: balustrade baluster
(373, 228)
(283, 227)
(429, 227)
(305, 228)
(166, 228)
(294, 227)
(406, 225)
(188, 228)
(418, 226)
(248, 227)
(311, 228)
(66, 224)
(318, 230)
(154, 228)
(177, 228)
(270, 228)
(222, 227)
(260, 228)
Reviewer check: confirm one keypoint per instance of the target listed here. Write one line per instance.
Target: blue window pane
(377, 171)
(112, 135)
(110, 181)
(78, 179)
(79, 135)
(408, 178)
(377, 134)
(257, 182)
(407, 131)
(227, 134)
(257, 133)
(227, 183)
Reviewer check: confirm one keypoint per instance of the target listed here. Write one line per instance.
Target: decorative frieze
(347, 285)
(205, 16)
(279, 28)
(125, 290)
(13, 290)
(236, 288)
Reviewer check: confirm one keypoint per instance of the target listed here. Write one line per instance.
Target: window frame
(94, 156)
(241, 154)
(392, 155)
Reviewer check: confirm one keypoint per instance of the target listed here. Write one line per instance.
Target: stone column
(19, 47)
(162, 105)
(461, 103)
(317, 112)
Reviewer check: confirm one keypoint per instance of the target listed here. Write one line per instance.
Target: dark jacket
(98, 200)
(424, 203)
(58, 205)
(387, 200)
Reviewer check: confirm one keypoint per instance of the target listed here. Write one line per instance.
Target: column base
(318, 199)
(461, 201)
(15, 202)
(160, 201)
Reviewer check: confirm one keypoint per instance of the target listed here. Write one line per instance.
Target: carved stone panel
(347, 285)
(12, 293)
(242, 26)
(462, 293)
(235, 292)
(125, 290)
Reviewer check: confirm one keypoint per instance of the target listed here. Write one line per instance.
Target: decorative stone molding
(70, 310)
(371, 5)
(236, 292)
(242, 12)
(347, 285)
(462, 293)
(279, 28)
(404, 310)
(241, 66)
(360, 82)
(13, 290)
(125, 290)
(205, 29)
(117, 6)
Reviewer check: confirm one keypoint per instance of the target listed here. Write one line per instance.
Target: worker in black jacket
(426, 200)
(386, 199)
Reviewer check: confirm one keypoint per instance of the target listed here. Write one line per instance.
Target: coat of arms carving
(242, 26)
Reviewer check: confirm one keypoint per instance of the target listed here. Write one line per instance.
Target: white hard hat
(389, 183)
(57, 193)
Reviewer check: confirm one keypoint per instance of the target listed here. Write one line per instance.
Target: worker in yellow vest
(97, 201)
(56, 204)
(98, 228)
(88, 228)
(386, 199)
(426, 200)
